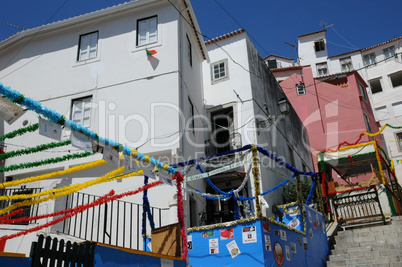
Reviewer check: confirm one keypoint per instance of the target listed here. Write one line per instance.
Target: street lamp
(284, 106)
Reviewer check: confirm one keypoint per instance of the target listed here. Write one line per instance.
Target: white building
(242, 97)
(95, 70)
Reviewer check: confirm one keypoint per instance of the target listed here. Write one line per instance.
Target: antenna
(15, 26)
(295, 48)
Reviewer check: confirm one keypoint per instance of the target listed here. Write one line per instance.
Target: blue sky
(355, 23)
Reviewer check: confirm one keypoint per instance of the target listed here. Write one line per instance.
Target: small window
(363, 91)
(81, 111)
(366, 120)
(369, 59)
(26, 210)
(88, 46)
(389, 52)
(375, 86)
(398, 138)
(272, 64)
(219, 70)
(346, 64)
(397, 108)
(381, 113)
(147, 32)
(189, 52)
(322, 69)
(301, 89)
(191, 114)
(396, 79)
(319, 45)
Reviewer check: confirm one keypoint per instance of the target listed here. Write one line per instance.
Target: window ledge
(85, 62)
(139, 48)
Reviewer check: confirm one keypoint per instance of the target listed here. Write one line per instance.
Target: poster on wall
(249, 234)
(310, 233)
(10, 111)
(214, 246)
(283, 235)
(227, 234)
(309, 217)
(268, 243)
(287, 253)
(294, 222)
(278, 254)
(189, 242)
(207, 234)
(53, 130)
(266, 227)
(233, 249)
(293, 247)
(305, 243)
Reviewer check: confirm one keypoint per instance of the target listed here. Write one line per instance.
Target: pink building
(333, 108)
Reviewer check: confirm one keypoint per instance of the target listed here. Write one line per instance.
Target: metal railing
(116, 223)
(27, 211)
(358, 207)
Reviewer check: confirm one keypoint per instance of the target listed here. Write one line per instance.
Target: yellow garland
(377, 133)
(73, 188)
(53, 174)
(319, 194)
(379, 163)
(256, 176)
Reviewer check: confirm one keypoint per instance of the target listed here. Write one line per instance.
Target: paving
(375, 245)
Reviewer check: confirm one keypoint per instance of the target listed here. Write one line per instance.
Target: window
(301, 89)
(191, 114)
(322, 69)
(363, 91)
(375, 86)
(219, 70)
(366, 120)
(397, 108)
(189, 53)
(369, 59)
(81, 111)
(319, 45)
(272, 64)
(147, 31)
(381, 113)
(398, 137)
(396, 79)
(389, 52)
(346, 64)
(88, 46)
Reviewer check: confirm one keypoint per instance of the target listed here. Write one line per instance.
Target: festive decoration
(53, 174)
(44, 162)
(31, 128)
(150, 52)
(11, 214)
(180, 212)
(256, 176)
(34, 149)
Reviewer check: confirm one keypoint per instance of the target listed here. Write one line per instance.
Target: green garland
(21, 131)
(34, 149)
(44, 162)
(394, 127)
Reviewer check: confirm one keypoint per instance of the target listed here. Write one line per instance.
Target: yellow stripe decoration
(256, 175)
(53, 174)
(60, 192)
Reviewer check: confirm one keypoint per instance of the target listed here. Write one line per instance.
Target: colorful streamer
(36, 149)
(30, 128)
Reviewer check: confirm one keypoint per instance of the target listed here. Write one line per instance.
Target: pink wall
(331, 114)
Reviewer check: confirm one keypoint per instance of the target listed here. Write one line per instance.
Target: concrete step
(377, 262)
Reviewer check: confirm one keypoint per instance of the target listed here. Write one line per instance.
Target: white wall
(307, 53)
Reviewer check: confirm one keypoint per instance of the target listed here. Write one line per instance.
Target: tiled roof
(387, 42)
(286, 69)
(278, 56)
(346, 53)
(225, 36)
(303, 35)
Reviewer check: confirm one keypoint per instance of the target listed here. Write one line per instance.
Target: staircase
(369, 246)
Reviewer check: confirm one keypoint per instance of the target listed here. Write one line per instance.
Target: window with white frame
(363, 91)
(366, 120)
(272, 64)
(396, 79)
(381, 113)
(319, 45)
(389, 52)
(397, 108)
(219, 70)
(81, 111)
(88, 46)
(300, 89)
(147, 31)
(189, 52)
(322, 69)
(375, 86)
(398, 138)
(346, 63)
(369, 59)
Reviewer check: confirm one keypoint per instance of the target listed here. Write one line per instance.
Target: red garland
(11, 214)
(180, 212)
(74, 211)
(345, 143)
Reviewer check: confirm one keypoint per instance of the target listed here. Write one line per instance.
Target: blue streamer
(198, 167)
(53, 116)
(311, 193)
